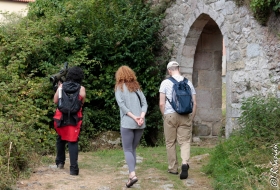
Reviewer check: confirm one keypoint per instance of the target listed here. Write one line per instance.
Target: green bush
(261, 120)
(97, 35)
(242, 161)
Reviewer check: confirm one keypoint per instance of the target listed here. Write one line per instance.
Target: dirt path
(50, 178)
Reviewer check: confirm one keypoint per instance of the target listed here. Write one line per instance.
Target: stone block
(201, 130)
(239, 76)
(186, 62)
(200, 23)
(234, 97)
(196, 139)
(211, 41)
(203, 98)
(235, 56)
(191, 41)
(218, 60)
(186, 70)
(253, 50)
(194, 32)
(217, 127)
(209, 79)
(229, 7)
(209, 114)
(216, 98)
(184, 8)
(232, 66)
(235, 110)
(237, 28)
(203, 60)
(220, 21)
(186, 28)
(251, 64)
(219, 5)
(188, 51)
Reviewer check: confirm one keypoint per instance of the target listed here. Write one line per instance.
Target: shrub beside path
(48, 177)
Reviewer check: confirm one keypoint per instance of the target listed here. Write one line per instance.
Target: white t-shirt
(166, 87)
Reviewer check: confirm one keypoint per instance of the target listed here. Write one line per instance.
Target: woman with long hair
(133, 107)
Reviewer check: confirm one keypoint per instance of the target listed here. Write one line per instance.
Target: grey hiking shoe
(60, 166)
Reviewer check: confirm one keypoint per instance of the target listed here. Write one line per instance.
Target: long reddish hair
(125, 75)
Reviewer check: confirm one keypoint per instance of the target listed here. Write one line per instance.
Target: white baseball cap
(172, 64)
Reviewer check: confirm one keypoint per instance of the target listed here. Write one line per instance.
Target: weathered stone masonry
(195, 30)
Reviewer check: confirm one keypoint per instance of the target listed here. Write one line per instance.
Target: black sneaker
(175, 173)
(184, 173)
(74, 172)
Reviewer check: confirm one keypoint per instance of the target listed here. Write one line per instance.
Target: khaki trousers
(177, 129)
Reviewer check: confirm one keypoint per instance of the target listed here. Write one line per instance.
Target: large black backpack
(69, 103)
(181, 100)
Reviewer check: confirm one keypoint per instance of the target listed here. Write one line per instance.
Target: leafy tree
(97, 35)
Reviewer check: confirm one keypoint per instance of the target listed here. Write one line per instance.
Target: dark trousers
(73, 153)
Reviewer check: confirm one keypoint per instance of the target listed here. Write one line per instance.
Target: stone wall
(252, 52)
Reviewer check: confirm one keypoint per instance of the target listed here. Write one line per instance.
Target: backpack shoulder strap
(185, 80)
(139, 98)
(173, 80)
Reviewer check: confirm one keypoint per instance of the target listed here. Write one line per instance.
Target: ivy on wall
(261, 8)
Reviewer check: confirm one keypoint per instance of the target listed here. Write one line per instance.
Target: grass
(234, 165)
(152, 171)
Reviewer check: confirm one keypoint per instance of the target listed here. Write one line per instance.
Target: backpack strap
(173, 80)
(139, 98)
(185, 80)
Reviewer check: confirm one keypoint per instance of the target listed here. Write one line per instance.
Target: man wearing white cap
(177, 127)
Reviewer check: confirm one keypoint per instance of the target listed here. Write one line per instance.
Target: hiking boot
(175, 173)
(184, 172)
(60, 166)
(74, 170)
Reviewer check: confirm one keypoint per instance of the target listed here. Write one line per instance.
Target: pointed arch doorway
(202, 62)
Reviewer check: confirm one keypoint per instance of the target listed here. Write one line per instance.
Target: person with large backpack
(177, 102)
(69, 97)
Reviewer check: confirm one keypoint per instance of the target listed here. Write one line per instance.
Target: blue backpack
(181, 96)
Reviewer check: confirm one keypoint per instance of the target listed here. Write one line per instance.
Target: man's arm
(194, 106)
(162, 102)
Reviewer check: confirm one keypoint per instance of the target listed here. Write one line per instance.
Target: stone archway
(252, 55)
(202, 63)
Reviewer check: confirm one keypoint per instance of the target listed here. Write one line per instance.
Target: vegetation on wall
(97, 35)
(261, 8)
(244, 160)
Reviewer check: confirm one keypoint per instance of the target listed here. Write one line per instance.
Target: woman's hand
(140, 121)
